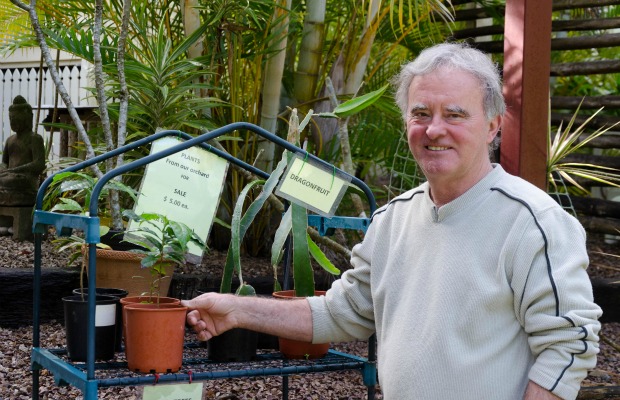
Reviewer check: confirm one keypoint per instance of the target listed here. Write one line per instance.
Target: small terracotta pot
(295, 349)
(141, 300)
(154, 336)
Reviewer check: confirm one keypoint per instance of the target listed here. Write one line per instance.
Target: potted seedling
(79, 186)
(107, 311)
(303, 247)
(70, 192)
(294, 225)
(155, 329)
(161, 244)
(240, 344)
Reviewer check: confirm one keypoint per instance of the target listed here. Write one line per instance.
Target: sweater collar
(464, 201)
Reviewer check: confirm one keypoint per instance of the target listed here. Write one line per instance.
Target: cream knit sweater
(472, 299)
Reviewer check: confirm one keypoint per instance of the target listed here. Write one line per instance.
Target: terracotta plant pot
(154, 337)
(76, 317)
(295, 349)
(142, 300)
(122, 269)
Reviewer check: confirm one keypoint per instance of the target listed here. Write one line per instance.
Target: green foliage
(240, 225)
(160, 241)
(165, 86)
(355, 105)
(568, 141)
(295, 223)
(79, 186)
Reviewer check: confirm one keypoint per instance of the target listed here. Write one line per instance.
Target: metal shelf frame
(83, 375)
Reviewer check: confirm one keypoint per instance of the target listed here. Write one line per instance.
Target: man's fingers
(204, 335)
(193, 316)
(195, 321)
(188, 303)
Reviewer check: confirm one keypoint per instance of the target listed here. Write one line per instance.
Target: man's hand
(211, 314)
(537, 392)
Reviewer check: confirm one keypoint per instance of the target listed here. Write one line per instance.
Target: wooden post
(527, 61)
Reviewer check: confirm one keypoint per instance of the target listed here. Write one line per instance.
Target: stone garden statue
(23, 158)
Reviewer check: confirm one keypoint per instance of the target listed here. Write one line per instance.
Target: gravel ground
(16, 379)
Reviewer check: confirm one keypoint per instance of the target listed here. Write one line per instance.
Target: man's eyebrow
(457, 110)
(418, 107)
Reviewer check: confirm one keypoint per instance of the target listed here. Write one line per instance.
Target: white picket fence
(25, 82)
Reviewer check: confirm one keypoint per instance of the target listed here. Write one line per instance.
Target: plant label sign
(183, 391)
(313, 185)
(185, 186)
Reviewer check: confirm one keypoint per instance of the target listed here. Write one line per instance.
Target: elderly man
(475, 282)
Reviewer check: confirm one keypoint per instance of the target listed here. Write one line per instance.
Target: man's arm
(555, 304)
(536, 392)
(212, 314)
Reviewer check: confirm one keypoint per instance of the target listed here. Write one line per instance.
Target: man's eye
(419, 114)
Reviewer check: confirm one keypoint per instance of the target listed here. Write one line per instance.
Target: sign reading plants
(313, 185)
(185, 186)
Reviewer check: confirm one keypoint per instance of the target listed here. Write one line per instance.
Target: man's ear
(494, 126)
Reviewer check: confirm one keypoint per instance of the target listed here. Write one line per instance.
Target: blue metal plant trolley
(85, 376)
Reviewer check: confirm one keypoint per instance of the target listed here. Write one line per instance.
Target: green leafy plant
(79, 185)
(295, 223)
(161, 241)
(77, 246)
(303, 246)
(239, 226)
(569, 141)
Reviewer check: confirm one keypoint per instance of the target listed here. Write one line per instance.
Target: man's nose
(436, 127)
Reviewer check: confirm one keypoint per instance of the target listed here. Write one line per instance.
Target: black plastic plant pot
(119, 293)
(235, 345)
(114, 239)
(76, 317)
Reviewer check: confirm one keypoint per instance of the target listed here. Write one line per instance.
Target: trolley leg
(36, 302)
(35, 384)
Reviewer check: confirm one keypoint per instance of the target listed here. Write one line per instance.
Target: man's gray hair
(457, 56)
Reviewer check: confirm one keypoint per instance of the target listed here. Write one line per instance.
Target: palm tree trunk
(191, 22)
(272, 85)
(310, 52)
(355, 77)
(102, 99)
(123, 96)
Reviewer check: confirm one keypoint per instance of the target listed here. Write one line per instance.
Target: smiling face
(447, 130)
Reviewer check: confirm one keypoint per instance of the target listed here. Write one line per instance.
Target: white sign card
(313, 185)
(185, 187)
(182, 391)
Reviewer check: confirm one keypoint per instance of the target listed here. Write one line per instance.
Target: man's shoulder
(402, 199)
(525, 192)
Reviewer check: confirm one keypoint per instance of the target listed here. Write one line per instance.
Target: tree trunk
(272, 85)
(191, 22)
(310, 52)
